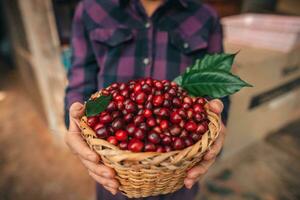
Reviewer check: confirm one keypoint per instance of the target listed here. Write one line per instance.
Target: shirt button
(146, 61)
(148, 24)
(186, 45)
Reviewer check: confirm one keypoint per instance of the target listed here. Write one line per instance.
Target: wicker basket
(151, 173)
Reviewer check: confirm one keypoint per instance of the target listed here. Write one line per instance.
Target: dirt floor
(34, 165)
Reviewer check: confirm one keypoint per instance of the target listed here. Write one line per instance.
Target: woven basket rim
(83, 125)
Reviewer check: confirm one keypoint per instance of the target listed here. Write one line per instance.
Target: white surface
(281, 33)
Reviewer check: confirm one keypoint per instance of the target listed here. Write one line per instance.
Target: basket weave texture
(151, 173)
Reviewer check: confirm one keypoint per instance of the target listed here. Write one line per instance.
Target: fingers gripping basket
(151, 173)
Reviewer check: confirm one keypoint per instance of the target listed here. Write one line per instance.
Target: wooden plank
(43, 53)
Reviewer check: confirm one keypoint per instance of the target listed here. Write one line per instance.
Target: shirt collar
(183, 3)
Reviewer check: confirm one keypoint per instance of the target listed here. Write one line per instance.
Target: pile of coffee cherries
(150, 115)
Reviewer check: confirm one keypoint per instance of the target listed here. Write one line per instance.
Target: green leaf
(221, 61)
(213, 83)
(178, 80)
(96, 106)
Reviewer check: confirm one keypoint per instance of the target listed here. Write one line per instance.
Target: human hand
(198, 171)
(99, 172)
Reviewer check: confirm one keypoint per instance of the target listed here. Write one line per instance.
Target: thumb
(216, 106)
(76, 111)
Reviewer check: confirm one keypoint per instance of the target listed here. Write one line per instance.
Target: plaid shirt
(115, 41)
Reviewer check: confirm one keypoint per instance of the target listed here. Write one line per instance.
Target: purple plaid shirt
(114, 40)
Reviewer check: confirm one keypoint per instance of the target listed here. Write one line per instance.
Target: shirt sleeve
(82, 76)
(215, 45)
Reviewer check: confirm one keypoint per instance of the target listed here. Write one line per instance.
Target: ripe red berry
(121, 135)
(168, 148)
(124, 93)
(175, 118)
(132, 97)
(158, 120)
(196, 136)
(157, 129)
(135, 145)
(147, 113)
(158, 92)
(140, 98)
(163, 112)
(131, 86)
(119, 98)
(113, 140)
(139, 134)
(198, 108)
(184, 133)
(188, 141)
(105, 119)
(148, 105)
(178, 144)
(144, 126)
(173, 84)
(176, 102)
(186, 106)
(167, 133)
(153, 137)
(149, 98)
(167, 140)
(151, 122)
(110, 130)
(182, 113)
(167, 96)
(97, 126)
(115, 85)
(201, 101)
(158, 100)
(148, 81)
(120, 105)
(190, 126)
(123, 145)
(150, 147)
(137, 88)
(160, 149)
(164, 124)
(140, 112)
(188, 100)
(175, 130)
(111, 106)
(158, 85)
(172, 92)
(138, 119)
(122, 86)
(182, 124)
(128, 117)
(166, 103)
(146, 88)
(117, 124)
(115, 114)
(130, 107)
(202, 128)
(198, 117)
(189, 113)
(102, 133)
(131, 128)
(92, 121)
